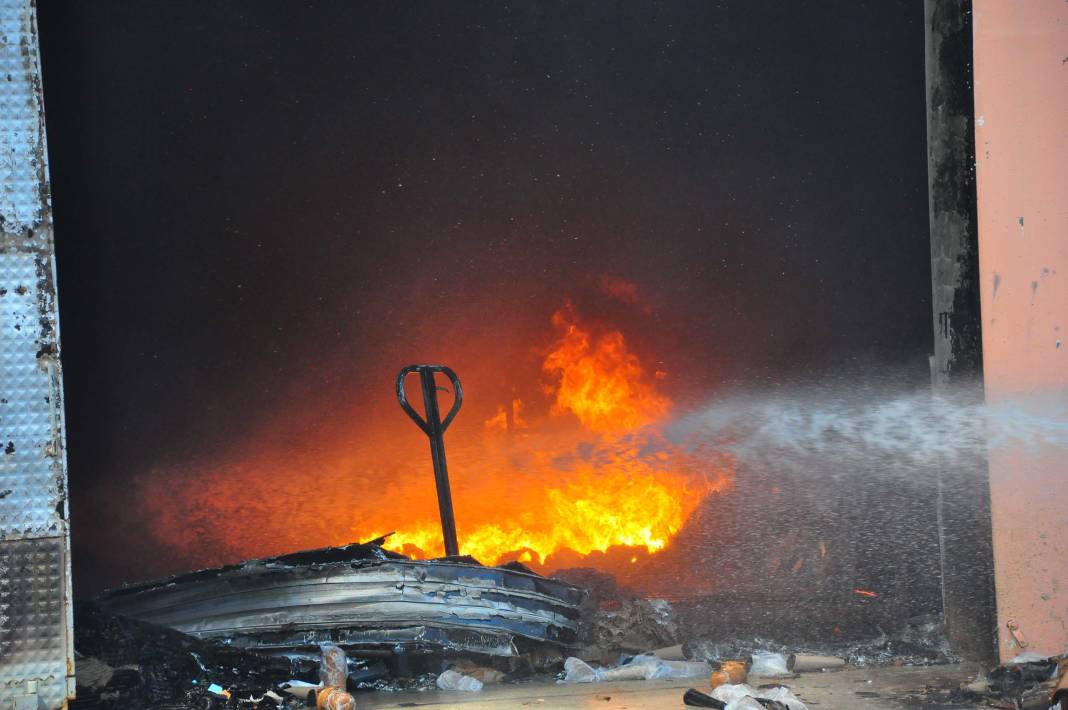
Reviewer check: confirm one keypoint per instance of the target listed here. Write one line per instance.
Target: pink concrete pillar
(1021, 131)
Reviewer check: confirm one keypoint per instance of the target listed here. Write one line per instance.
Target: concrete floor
(862, 689)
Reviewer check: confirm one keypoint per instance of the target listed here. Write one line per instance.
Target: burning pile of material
(572, 472)
(601, 476)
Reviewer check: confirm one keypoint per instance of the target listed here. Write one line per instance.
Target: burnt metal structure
(434, 427)
(963, 501)
(36, 642)
(363, 597)
(958, 347)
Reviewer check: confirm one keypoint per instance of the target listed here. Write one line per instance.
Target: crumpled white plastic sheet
(768, 663)
(741, 696)
(640, 668)
(455, 680)
(1029, 657)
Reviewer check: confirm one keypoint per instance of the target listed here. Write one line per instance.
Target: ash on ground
(614, 620)
(920, 642)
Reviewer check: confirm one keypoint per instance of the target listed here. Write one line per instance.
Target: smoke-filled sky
(264, 209)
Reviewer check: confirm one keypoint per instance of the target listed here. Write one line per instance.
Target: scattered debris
(1018, 676)
(123, 663)
(768, 663)
(1059, 696)
(743, 697)
(729, 672)
(301, 689)
(615, 620)
(334, 699)
(920, 642)
(334, 675)
(646, 667)
(695, 698)
(281, 640)
(455, 680)
(670, 653)
(419, 683)
(734, 649)
(1028, 681)
(483, 674)
(806, 663)
(333, 668)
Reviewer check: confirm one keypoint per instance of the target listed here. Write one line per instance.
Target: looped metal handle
(434, 427)
(427, 371)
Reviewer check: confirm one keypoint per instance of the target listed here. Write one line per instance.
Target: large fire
(632, 491)
(623, 499)
(584, 476)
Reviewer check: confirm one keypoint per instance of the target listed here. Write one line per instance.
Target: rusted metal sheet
(361, 597)
(36, 654)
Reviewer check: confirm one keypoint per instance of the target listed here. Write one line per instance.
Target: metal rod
(434, 428)
(441, 468)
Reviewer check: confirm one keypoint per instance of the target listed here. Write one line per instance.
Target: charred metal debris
(234, 636)
(258, 634)
(1029, 681)
(368, 600)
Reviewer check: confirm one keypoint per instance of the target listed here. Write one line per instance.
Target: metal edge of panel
(36, 627)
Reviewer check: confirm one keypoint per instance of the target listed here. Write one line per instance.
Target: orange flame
(500, 421)
(602, 382)
(622, 496)
(628, 500)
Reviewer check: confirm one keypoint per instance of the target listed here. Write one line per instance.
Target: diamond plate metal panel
(22, 163)
(35, 590)
(33, 631)
(32, 495)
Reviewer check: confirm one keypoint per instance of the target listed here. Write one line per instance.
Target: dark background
(263, 209)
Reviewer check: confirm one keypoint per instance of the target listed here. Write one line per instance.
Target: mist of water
(865, 427)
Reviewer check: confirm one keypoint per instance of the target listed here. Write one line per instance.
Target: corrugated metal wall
(35, 586)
